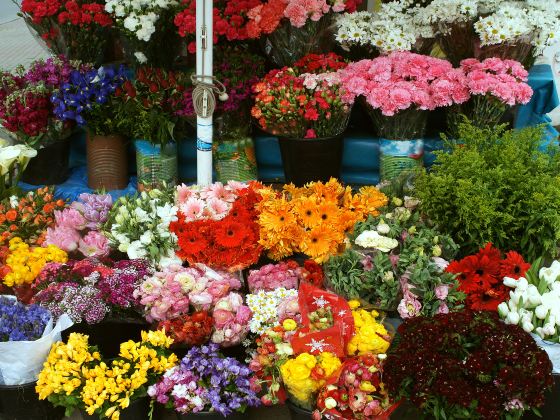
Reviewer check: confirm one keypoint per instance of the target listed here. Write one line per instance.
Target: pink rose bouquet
(231, 320)
(269, 277)
(494, 86)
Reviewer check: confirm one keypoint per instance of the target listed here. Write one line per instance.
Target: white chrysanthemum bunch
(445, 12)
(264, 306)
(508, 23)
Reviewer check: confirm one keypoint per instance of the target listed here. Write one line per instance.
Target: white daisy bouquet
(265, 308)
(147, 26)
(139, 226)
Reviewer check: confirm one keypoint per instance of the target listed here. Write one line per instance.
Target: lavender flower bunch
(206, 381)
(19, 322)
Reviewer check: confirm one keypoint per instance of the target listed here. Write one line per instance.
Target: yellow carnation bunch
(306, 374)
(25, 263)
(370, 336)
(313, 219)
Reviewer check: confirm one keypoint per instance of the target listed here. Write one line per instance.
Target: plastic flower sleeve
(553, 351)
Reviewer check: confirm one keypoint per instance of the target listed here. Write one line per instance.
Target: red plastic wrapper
(332, 339)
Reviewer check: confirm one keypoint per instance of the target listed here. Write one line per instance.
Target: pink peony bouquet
(77, 227)
(231, 320)
(207, 203)
(170, 293)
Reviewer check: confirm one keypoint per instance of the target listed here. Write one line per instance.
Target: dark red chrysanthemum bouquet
(481, 276)
(78, 29)
(220, 229)
(468, 365)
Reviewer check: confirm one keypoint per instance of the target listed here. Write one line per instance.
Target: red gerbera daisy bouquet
(219, 228)
(481, 276)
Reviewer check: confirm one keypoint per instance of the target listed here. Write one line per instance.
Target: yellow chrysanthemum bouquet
(313, 219)
(75, 376)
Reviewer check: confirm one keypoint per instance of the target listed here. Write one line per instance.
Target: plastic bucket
(50, 166)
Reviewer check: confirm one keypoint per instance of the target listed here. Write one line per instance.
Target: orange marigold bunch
(313, 219)
(28, 217)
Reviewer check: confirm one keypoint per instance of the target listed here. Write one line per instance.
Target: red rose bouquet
(481, 276)
(190, 330)
(467, 365)
(78, 29)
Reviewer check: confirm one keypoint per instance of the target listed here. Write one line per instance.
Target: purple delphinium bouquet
(19, 322)
(206, 381)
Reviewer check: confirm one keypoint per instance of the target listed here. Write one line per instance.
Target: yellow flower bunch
(306, 374)
(313, 219)
(369, 333)
(25, 262)
(62, 371)
(98, 387)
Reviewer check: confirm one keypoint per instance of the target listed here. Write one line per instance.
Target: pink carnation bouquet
(231, 320)
(494, 85)
(397, 89)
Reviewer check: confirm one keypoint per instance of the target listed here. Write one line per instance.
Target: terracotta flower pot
(107, 166)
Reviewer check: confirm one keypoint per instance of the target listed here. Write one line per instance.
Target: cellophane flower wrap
(75, 375)
(148, 29)
(217, 225)
(481, 275)
(26, 335)
(291, 29)
(358, 392)
(77, 228)
(400, 87)
(312, 219)
(90, 290)
(25, 101)
(206, 381)
(478, 367)
(494, 86)
(90, 99)
(397, 261)
(291, 102)
(13, 161)
(140, 226)
(79, 29)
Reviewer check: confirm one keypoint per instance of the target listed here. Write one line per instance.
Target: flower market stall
(281, 209)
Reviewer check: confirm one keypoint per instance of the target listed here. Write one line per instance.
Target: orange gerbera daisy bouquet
(313, 219)
(29, 216)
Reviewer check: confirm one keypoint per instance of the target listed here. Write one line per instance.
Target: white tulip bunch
(534, 303)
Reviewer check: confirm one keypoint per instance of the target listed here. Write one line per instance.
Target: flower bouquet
(149, 116)
(467, 364)
(216, 225)
(397, 261)
(312, 219)
(26, 335)
(307, 113)
(480, 276)
(79, 29)
(13, 161)
(140, 226)
(75, 376)
(265, 308)
(28, 216)
(206, 382)
(149, 35)
(91, 99)
(77, 227)
(398, 91)
(371, 335)
(292, 29)
(286, 274)
(190, 330)
(494, 86)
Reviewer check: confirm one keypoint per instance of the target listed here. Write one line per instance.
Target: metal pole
(204, 62)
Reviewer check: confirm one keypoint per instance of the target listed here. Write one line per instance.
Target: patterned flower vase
(397, 156)
(156, 166)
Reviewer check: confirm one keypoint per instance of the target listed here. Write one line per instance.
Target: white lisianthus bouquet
(148, 26)
(534, 302)
(139, 227)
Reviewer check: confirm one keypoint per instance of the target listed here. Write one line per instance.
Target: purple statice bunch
(206, 381)
(94, 208)
(87, 92)
(117, 287)
(19, 322)
(53, 72)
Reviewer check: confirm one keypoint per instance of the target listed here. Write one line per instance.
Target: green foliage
(496, 186)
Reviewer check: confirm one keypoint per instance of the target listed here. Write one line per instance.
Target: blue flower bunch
(89, 96)
(206, 381)
(19, 322)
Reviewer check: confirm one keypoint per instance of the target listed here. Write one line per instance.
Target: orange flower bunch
(313, 219)
(28, 217)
